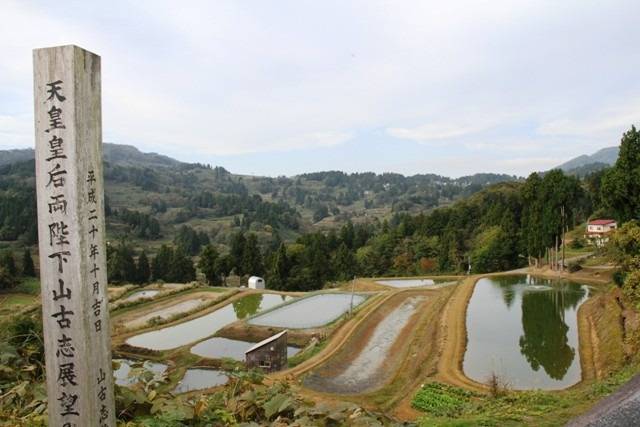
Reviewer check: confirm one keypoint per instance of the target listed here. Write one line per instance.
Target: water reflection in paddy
(218, 348)
(311, 312)
(200, 379)
(202, 327)
(525, 330)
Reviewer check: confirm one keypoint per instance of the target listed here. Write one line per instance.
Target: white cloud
(531, 163)
(595, 123)
(227, 77)
(16, 131)
(438, 131)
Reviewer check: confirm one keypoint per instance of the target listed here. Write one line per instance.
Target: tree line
(11, 272)
(501, 227)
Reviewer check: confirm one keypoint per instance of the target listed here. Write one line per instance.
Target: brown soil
(370, 284)
(116, 292)
(453, 323)
(587, 274)
(243, 331)
(601, 321)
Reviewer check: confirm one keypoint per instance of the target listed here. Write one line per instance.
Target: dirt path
(453, 323)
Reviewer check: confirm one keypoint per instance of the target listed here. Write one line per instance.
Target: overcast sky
(284, 87)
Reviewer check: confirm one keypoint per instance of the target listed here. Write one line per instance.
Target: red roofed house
(598, 230)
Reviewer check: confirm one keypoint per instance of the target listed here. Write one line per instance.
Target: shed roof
(266, 341)
(602, 221)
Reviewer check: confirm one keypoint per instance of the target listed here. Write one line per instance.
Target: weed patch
(441, 400)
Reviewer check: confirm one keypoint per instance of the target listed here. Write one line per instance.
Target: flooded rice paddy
(311, 312)
(525, 330)
(193, 330)
(166, 313)
(414, 283)
(122, 373)
(200, 379)
(218, 348)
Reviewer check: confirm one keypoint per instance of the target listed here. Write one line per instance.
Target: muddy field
(370, 366)
(367, 369)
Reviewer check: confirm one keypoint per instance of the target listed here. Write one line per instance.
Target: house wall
(601, 228)
(273, 353)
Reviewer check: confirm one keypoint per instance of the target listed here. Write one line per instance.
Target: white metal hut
(256, 282)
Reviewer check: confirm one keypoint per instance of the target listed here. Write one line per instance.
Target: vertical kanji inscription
(70, 195)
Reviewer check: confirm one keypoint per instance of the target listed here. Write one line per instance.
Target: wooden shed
(270, 355)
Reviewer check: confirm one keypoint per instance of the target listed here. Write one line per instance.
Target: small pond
(218, 348)
(204, 326)
(311, 312)
(122, 373)
(200, 379)
(412, 283)
(136, 296)
(525, 330)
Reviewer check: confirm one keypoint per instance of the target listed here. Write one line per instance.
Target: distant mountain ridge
(8, 157)
(117, 154)
(604, 157)
(130, 156)
(141, 187)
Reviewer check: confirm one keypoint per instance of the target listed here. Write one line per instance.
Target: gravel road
(621, 409)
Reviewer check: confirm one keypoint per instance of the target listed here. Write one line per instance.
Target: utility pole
(353, 289)
(555, 255)
(564, 242)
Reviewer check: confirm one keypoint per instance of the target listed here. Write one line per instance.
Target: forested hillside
(151, 197)
(306, 231)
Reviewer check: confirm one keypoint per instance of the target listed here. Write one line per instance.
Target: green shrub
(577, 243)
(631, 287)
(575, 266)
(618, 278)
(441, 400)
